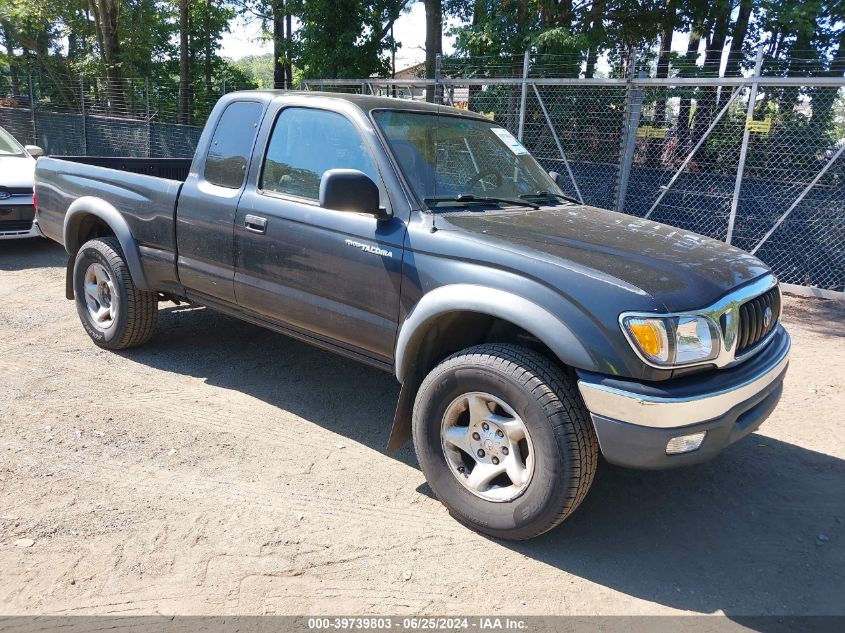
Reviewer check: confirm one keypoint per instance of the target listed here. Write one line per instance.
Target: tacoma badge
(368, 248)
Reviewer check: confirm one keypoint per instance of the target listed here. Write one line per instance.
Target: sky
(409, 30)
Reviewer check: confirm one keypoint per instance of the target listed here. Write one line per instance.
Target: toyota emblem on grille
(5, 195)
(767, 317)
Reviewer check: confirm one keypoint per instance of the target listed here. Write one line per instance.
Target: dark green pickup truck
(529, 332)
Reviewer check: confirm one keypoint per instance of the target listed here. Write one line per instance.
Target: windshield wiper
(468, 197)
(549, 194)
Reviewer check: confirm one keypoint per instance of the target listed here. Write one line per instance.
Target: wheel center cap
(488, 445)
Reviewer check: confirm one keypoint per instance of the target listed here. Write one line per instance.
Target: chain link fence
(102, 117)
(655, 141)
(754, 159)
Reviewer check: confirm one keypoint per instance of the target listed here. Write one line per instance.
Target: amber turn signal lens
(651, 337)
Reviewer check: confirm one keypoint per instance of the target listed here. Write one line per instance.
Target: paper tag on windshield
(509, 140)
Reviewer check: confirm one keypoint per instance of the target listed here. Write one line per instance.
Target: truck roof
(364, 102)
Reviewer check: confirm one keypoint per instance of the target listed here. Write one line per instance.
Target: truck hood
(680, 269)
(16, 171)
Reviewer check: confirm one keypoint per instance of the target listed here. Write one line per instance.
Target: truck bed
(141, 193)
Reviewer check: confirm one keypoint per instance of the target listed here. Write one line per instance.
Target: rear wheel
(113, 311)
(504, 440)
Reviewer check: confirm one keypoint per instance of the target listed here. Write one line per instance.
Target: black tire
(135, 310)
(565, 448)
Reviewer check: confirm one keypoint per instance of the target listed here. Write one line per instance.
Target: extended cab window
(304, 145)
(231, 145)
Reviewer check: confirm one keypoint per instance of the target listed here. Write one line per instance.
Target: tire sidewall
(542, 499)
(91, 253)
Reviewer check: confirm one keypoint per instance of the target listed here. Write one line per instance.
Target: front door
(329, 273)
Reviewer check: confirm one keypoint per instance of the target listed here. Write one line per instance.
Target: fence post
(32, 110)
(743, 152)
(631, 122)
(438, 61)
(84, 118)
(526, 61)
(147, 117)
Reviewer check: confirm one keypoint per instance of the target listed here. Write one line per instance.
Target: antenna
(438, 61)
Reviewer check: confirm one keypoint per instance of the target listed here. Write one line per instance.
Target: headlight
(673, 341)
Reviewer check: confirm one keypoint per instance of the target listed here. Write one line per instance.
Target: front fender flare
(520, 311)
(91, 206)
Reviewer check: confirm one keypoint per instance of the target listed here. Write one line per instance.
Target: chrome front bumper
(634, 421)
(666, 411)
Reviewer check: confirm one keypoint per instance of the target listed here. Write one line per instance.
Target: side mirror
(558, 178)
(34, 150)
(351, 190)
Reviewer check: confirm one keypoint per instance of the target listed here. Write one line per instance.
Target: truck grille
(757, 318)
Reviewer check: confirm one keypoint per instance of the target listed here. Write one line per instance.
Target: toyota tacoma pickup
(529, 333)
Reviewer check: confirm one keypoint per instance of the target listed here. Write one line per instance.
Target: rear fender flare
(97, 207)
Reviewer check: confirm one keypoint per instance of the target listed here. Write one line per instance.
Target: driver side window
(304, 144)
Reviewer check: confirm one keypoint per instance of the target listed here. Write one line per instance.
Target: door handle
(255, 224)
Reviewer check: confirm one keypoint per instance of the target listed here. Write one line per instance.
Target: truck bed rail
(170, 168)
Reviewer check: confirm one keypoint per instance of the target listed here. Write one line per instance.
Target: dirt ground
(225, 469)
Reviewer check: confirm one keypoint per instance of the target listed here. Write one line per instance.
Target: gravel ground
(225, 469)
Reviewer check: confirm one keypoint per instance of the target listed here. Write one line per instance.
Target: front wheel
(113, 311)
(504, 440)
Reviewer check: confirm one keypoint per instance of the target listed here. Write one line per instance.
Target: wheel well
(445, 335)
(91, 227)
(87, 228)
(455, 331)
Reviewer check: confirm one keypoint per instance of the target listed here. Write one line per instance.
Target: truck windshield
(454, 161)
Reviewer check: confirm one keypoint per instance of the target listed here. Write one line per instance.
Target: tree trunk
(479, 16)
(592, 24)
(709, 99)
(514, 94)
(184, 115)
(433, 42)
(690, 58)
(738, 38)
(208, 47)
(106, 15)
(288, 50)
(667, 30)
(279, 53)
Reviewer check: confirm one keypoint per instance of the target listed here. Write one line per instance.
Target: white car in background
(17, 168)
